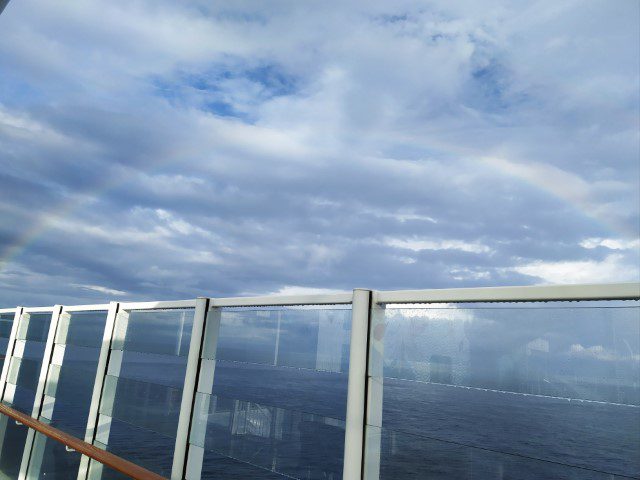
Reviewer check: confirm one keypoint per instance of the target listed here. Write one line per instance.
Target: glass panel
(12, 440)
(24, 372)
(294, 443)
(450, 460)
(143, 390)
(84, 329)
(147, 367)
(279, 385)
(149, 405)
(70, 387)
(55, 461)
(548, 391)
(323, 393)
(171, 331)
(143, 447)
(6, 322)
(34, 326)
(313, 339)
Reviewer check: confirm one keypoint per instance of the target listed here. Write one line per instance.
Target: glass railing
(514, 382)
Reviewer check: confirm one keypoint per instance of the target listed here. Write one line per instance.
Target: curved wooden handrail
(109, 459)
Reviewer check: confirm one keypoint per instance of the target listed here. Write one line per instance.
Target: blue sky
(163, 150)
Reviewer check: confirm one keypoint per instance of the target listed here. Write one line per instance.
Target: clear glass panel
(69, 387)
(148, 405)
(279, 385)
(34, 326)
(24, 372)
(322, 393)
(316, 339)
(6, 322)
(143, 391)
(53, 459)
(171, 331)
(153, 368)
(416, 456)
(141, 446)
(553, 384)
(294, 443)
(12, 440)
(83, 329)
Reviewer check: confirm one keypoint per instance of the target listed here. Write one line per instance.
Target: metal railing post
(101, 371)
(189, 388)
(354, 434)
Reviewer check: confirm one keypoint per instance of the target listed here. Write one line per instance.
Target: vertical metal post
(375, 379)
(203, 397)
(189, 388)
(101, 370)
(357, 386)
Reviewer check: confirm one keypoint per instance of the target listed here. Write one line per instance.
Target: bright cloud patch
(612, 269)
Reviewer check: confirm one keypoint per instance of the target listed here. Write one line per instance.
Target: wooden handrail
(109, 459)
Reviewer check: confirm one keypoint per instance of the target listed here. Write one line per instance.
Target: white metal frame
(365, 385)
(544, 293)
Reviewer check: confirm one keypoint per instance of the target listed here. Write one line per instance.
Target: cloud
(611, 243)
(613, 268)
(417, 245)
(240, 148)
(99, 289)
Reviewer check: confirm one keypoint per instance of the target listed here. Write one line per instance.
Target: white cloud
(610, 243)
(298, 290)
(99, 289)
(419, 244)
(614, 268)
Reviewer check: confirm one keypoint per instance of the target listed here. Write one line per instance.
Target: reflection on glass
(315, 339)
(166, 332)
(559, 383)
(297, 444)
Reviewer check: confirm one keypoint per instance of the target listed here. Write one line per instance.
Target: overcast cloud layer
(163, 150)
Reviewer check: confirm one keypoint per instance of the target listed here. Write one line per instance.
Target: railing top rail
(283, 300)
(86, 308)
(113, 461)
(38, 309)
(542, 293)
(158, 305)
(536, 293)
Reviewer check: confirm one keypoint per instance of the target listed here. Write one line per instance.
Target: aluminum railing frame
(363, 396)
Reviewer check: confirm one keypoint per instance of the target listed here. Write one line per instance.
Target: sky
(156, 149)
